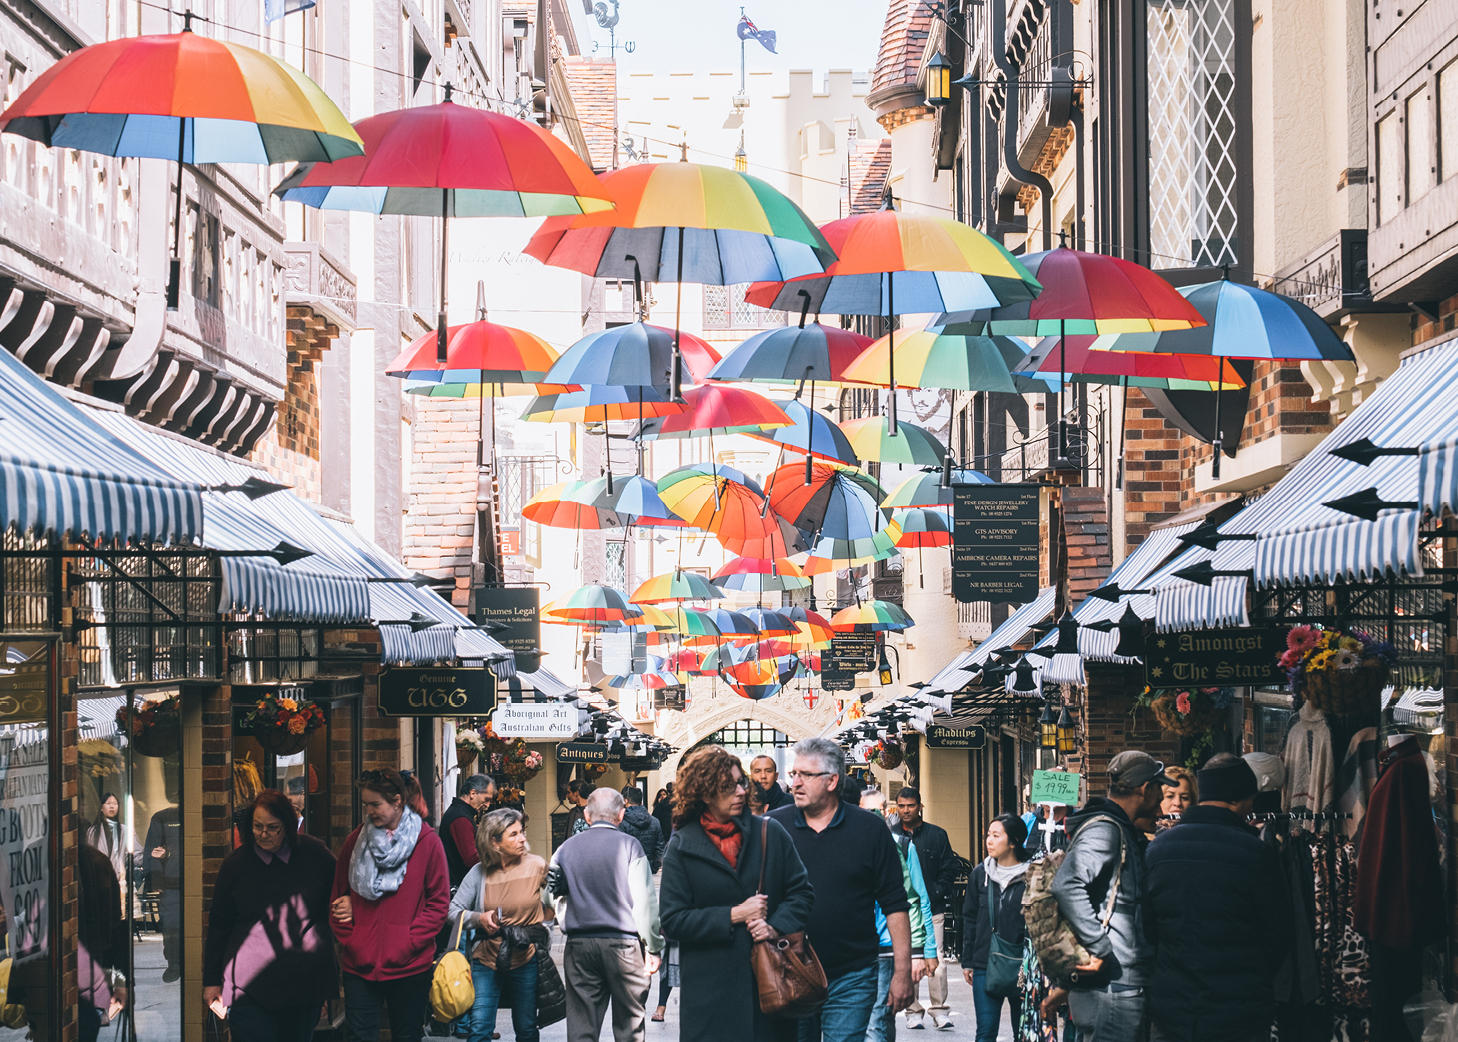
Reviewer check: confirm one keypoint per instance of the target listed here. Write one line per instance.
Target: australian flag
(273, 10)
(748, 31)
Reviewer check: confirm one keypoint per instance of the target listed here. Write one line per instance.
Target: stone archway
(788, 715)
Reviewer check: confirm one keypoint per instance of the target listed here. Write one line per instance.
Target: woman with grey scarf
(391, 892)
(994, 907)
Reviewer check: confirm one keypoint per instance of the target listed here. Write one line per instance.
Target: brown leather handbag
(790, 978)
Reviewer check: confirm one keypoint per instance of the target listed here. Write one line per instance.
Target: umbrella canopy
(830, 554)
(789, 354)
(600, 403)
(429, 388)
(594, 603)
(1088, 362)
(719, 409)
(558, 506)
(632, 355)
(730, 625)
(756, 692)
(677, 585)
(872, 439)
(632, 498)
(1243, 322)
(771, 623)
(814, 628)
(648, 680)
(891, 262)
(871, 617)
(450, 160)
(935, 357)
(926, 490)
(839, 502)
(734, 228)
(725, 502)
(1092, 293)
(691, 622)
(763, 574)
(685, 660)
(182, 97)
(479, 353)
(763, 671)
(922, 527)
(811, 430)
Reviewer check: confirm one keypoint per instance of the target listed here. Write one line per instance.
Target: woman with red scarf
(711, 904)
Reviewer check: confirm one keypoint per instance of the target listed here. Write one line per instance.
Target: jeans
(988, 1008)
(882, 1027)
(847, 1011)
(407, 999)
(247, 1019)
(489, 984)
(1107, 1016)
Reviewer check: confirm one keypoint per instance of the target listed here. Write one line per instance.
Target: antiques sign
(995, 543)
(512, 612)
(971, 737)
(1236, 657)
(582, 752)
(436, 691)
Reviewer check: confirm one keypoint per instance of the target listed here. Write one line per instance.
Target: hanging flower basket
(465, 757)
(1338, 672)
(1355, 690)
(1183, 713)
(887, 757)
(153, 728)
(283, 725)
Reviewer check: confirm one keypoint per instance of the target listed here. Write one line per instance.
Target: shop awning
(960, 672)
(62, 473)
(401, 644)
(1183, 605)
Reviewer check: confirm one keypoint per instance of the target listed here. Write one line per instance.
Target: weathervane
(609, 22)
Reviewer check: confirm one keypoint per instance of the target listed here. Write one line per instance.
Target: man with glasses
(854, 866)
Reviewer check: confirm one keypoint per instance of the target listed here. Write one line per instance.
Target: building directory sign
(995, 554)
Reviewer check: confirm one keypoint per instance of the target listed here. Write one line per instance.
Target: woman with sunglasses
(268, 964)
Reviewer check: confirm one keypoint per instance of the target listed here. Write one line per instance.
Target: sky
(677, 35)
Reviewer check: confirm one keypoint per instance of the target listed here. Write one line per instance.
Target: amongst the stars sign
(1237, 657)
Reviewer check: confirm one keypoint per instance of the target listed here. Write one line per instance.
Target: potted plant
(469, 745)
(1189, 711)
(521, 764)
(886, 756)
(153, 728)
(283, 725)
(1337, 672)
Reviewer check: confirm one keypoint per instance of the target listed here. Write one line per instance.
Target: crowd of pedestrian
(1172, 911)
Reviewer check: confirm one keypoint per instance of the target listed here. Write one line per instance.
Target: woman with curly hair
(711, 904)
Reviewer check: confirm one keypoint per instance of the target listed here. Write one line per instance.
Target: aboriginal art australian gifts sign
(1235, 657)
(995, 543)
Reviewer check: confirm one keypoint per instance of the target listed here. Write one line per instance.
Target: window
(1192, 129)
(726, 308)
(1389, 168)
(1421, 172)
(1448, 122)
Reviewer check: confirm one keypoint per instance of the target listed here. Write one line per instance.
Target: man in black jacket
(642, 826)
(457, 826)
(1219, 915)
(766, 777)
(939, 871)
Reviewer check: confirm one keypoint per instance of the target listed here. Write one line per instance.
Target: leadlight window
(1421, 172)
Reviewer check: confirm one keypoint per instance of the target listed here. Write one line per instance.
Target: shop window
(1448, 122)
(1421, 171)
(26, 584)
(1389, 168)
(1192, 132)
(205, 259)
(261, 653)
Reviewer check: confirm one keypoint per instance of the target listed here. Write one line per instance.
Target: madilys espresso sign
(1236, 657)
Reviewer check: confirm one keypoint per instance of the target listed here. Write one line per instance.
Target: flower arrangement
(1337, 672)
(508, 796)
(886, 755)
(1188, 711)
(154, 728)
(520, 764)
(283, 724)
(469, 745)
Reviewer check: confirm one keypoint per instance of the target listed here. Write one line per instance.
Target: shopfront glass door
(130, 893)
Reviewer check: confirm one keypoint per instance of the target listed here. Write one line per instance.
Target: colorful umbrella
(756, 692)
(793, 355)
(477, 352)
(558, 506)
(730, 625)
(594, 603)
(677, 585)
(719, 409)
(814, 628)
(600, 403)
(725, 502)
(185, 97)
(827, 443)
(872, 439)
(1089, 362)
(692, 622)
(831, 555)
(838, 501)
(771, 623)
(762, 574)
(429, 388)
(757, 672)
(632, 498)
(633, 355)
(447, 161)
(928, 490)
(937, 357)
(871, 617)
(922, 527)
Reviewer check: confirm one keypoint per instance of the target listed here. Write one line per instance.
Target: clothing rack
(1302, 815)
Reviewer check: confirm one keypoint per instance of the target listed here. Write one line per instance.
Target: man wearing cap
(1219, 916)
(1105, 861)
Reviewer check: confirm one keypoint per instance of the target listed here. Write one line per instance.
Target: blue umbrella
(634, 499)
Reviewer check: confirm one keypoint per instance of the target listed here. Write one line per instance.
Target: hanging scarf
(377, 865)
(728, 837)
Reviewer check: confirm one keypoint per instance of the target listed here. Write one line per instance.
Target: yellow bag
(451, 992)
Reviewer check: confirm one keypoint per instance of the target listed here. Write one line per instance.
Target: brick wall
(302, 474)
(1109, 724)
(1086, 535)
(1156, 474)
(1425, 329)
(440, 523)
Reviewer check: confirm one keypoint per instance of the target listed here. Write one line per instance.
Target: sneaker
(172, 973)
(944, 1025)
(915, 1025)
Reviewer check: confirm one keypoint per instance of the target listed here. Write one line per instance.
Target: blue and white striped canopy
(400, 644)
(61, 473)
(958, 673)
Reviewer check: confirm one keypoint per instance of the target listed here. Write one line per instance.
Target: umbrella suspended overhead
(447, 161)
(928, 489)
(633, 499)
(725, 502)
(730, 626)
(814, 627)
(771, 623)
(633, 355)
(763, 574)
(182, 97)
(830, 554)
(838, 502)
(922, 527)
(677, 585)
(600, 403)
(793, 355)
(872, 439)
(594, 603)
(809, 430)
(477, 352)
(942, 358)
(558, 507)
(1087, 362)
(718, 409)
(871, 617)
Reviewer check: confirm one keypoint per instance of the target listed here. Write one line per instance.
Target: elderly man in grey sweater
(1100, 891)
(602, 886)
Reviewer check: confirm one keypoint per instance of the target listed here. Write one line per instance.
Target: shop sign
(995, 546)
(535, 720)
(510, 542)
(24, 693)
(517, 610)
(437, 691)
(583, 752)
(1055, 787)
(639, 764)
(850, 653)
(1235, 657)
(971, 737)
(24, 811)
(837, 683)
(675, 698)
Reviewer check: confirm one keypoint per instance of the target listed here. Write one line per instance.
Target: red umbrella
(451, 160)
(716, 407)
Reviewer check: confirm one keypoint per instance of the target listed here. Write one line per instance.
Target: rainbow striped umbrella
(477, 352)
(677, 585)
(871, 617)
(771, 623)
(763, 574)
(927, 490)
(922, 527)
(791, 355)
(944, 358)
(814, 628)
(828, 442)
(872, 439)
(731, 626)
(830, 555)
(594, 603)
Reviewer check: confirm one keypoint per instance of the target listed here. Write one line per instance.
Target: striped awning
(402, 645)
(61, 473)
(963, 669)
(260, 585)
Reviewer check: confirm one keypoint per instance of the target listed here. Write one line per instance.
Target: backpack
(1052, 938)
(452, 993)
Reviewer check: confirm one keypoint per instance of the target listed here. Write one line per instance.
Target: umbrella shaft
(445, 253)
(174, 268)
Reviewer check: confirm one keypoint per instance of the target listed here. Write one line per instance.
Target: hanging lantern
(1048, 728)
(1131, 635)
(883, 667)
(1067, 733)
(938, 80)
(1023, 680)
(1067, 635)
(741, 157)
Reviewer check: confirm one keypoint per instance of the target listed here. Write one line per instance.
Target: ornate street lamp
(938, 80)
(1048, 728)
